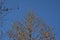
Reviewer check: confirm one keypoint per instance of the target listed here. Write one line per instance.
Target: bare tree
(32, 26)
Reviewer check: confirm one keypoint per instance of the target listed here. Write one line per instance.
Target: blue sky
(47, 10)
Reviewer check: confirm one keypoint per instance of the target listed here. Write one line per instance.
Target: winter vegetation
(31, 29)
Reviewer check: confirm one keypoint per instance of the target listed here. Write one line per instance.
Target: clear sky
(47, 10)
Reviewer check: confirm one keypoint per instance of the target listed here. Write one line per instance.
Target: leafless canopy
(32, 29)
